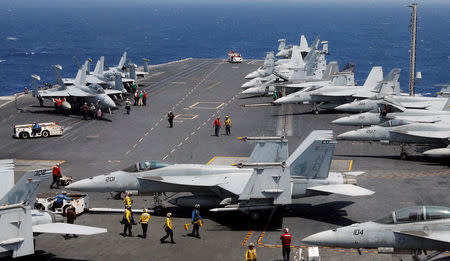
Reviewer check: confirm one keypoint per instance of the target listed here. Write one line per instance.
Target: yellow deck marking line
(194, 132)
(350, 166)
(247, 237)
(211, 160)
(214, 85)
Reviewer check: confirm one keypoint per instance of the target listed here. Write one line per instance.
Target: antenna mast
(412, 58)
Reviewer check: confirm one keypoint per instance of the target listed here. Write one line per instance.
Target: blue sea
(37, 34)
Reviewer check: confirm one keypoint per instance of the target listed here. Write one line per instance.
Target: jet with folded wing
(409, 230)
(269, 179)
(427, 135)
(19, 222)
(91, 94)
(390, 113)
(332, 96)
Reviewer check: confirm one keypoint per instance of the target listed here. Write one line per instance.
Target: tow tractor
(45, 201)
(234, 57)
(48, 129)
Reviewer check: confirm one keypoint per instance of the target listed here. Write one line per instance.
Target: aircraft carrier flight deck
(197, 91)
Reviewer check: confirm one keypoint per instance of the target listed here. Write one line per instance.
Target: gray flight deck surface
(197, 90)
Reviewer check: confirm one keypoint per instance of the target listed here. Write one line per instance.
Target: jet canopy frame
(415, 214)
(146, 165)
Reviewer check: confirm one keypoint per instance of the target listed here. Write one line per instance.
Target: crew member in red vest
(56, 176)
(286, 244)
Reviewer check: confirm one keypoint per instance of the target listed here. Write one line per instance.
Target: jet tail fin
(145, 61)
(80, 79)
(330, 70)
(97, 69)
(122, 61)
(34, 85)
(270, 60)
(312, 159)
(374, 77)
(58, 78)
(26, 189)
(132, 71)
(390, 84)
(118, 84)
(282, 44)
(303, 44)
(6, 176)
(296, 58)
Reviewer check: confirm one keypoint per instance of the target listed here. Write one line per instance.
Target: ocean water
(37, 34)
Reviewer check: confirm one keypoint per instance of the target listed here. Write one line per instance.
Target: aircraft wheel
(24, 135)
(39, 206)
(45, 133)
(403, 155)
(158, 210)
(315, 111)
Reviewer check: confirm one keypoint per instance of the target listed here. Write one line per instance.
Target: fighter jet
(313, 68)
(409, 102)
(286, 51)
(390, 113)
(331, 97)
(269, 179)
(19, 222)
(90, 94)
(264, 70)
(431, 135)
(106, 81)
(409, 230)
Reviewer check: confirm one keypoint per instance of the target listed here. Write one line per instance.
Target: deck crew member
(127, 221)
(85, 110)
(56, 173)
(127, 200)
(128, 105)
(92, 111)
(250, 254)
(59, 202)
(227, 123)
(168, 227)
(71, 216)
(196, 219)
(35, 128)
(170, 118)
(145, 217)
(217, 125)
(286, 244)
(144, 98)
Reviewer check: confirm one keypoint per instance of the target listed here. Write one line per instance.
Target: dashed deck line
(174, 107)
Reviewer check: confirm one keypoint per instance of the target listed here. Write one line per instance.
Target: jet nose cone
(282, 100)
(247, 85)
(438, 153)
(345, 107)
(325, 238)
(252, 91)
(251, 75)
(349, 135)
(81, 185)
(340, 121)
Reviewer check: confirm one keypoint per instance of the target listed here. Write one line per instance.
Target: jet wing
(415, 105)
(442, 236)
(127, 80)
(112, 92)
(64, 228)
(50, 94)
(233, 183)
(425, 134)
(337, 93)
(423, 119)
(343, 189)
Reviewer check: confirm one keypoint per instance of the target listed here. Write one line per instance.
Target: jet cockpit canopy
(146, 165)
(415, 214)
